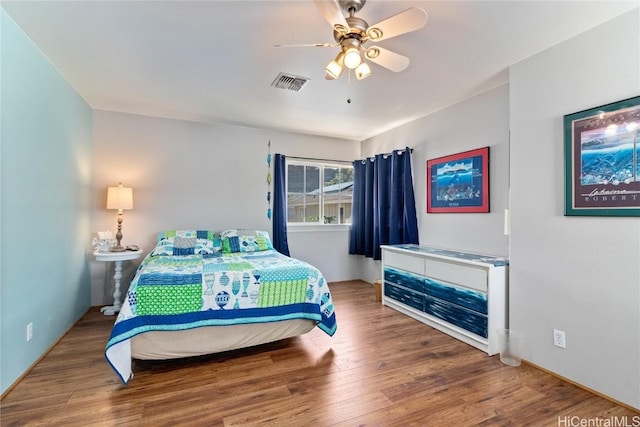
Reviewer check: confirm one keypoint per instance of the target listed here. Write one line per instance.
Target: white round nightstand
(117, 258)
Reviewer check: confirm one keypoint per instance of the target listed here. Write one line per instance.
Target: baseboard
(339, 282)
(590, 390)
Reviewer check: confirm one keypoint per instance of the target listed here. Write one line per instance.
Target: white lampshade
(119, 197)
(333, 70)
(363, 71)
(352, 58)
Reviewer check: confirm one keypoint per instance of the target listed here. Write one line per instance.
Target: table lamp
(119, 198)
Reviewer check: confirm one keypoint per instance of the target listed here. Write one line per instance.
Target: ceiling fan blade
(404, 22)
(330, 9)
(387, 59)
(307, 45)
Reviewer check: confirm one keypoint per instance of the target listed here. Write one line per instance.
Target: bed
(200, 292)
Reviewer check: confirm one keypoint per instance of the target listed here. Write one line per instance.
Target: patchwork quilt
(171, 293)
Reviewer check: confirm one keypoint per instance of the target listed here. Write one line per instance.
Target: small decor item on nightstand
(103, 242)
(119, 198)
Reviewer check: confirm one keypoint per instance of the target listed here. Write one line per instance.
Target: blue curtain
(384, 207)
(279, 234)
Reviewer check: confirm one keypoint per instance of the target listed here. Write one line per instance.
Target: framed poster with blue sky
(459, 183)
(602, 152)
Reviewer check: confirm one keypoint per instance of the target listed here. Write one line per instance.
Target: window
(319, 193)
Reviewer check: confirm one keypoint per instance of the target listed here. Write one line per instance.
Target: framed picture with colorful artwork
(459, 183)
(601, 147)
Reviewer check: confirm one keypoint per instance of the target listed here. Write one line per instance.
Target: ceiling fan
(352, 33)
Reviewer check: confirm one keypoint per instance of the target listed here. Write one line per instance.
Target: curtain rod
(385, 155)
(400, 150)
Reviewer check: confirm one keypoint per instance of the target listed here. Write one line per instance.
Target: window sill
(314, 228)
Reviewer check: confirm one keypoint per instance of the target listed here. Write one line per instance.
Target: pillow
(239, 240)
(187, 242)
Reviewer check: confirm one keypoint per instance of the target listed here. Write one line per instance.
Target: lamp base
(117, 248)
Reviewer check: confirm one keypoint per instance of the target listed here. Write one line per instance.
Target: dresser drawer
(473, 300)
(404, 278)
(467, 319)
(414, 264)
(467, 276)
(405, 296)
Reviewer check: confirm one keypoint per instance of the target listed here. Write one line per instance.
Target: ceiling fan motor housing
(357, 30)
(351, 5)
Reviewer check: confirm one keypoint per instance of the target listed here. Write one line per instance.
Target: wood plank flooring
(381, 368)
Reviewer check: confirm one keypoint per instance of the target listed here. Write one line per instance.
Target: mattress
(160, 345)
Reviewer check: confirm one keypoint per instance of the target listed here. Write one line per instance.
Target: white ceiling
(214, 61)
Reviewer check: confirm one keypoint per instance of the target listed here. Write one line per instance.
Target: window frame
(321, 165)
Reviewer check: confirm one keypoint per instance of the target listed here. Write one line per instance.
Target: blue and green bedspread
(171, 293)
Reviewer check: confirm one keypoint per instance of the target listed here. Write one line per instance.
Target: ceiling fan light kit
(363, 71)
(352, 58)
(334, 68)
(351, 33)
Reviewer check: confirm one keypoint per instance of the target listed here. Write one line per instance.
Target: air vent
(289, 81)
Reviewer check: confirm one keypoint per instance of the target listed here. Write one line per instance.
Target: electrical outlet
(29, 331)
(559, 339)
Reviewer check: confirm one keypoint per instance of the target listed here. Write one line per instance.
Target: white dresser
(461, 294)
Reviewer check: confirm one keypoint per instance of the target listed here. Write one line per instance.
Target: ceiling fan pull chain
(349, 87)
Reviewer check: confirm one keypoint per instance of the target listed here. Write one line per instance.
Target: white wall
(577, 274)
(478, 122)
(328, 248)
(188, 175)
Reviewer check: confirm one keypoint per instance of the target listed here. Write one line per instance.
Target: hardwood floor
(381, 368)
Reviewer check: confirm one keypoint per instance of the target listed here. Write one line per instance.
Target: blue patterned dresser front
(459, 293)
